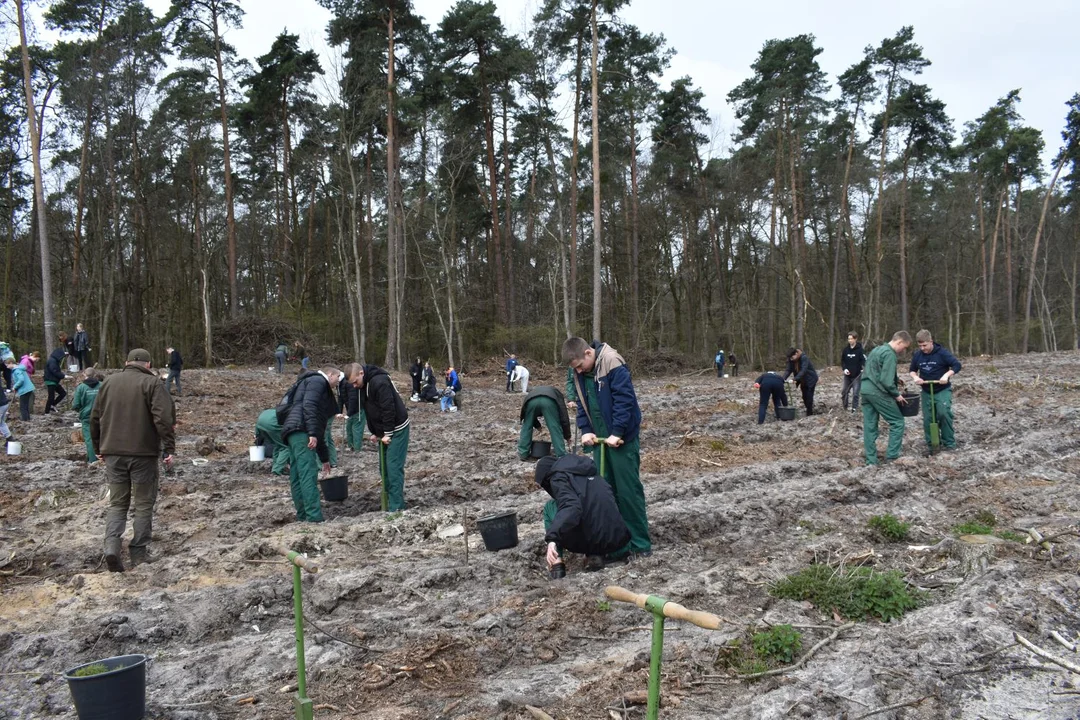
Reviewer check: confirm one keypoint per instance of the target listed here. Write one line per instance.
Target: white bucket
(256, 453)
(270, 369)
(73, 368)
(14, 448)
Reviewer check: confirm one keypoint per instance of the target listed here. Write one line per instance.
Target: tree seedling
(91, 670)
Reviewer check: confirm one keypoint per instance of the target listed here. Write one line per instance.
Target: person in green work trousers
(546, 401)
(83, 403)
(349, 411)
(608, 412)
(268, 432)
(933, 362)
(388, 421)
(303, 414)
(880, 396)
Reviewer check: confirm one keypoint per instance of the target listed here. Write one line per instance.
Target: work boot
(139, 556)
(112, 558)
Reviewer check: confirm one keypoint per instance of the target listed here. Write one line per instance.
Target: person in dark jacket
(852, 360)
(429, 392)
(349, 410)
(388, 421)
(933, 363)
(131, 427)
(511, 363)
(176, 364)
(416, 372)
(82, 346)
(582, 516)
(718, 363)
(54, 374)
(799, 365)
(770, 385)
(546, 401)
(303, 414)
(301, 355)
(734, 362)
(608, 413)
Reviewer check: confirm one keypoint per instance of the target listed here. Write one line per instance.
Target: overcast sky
(980, 49)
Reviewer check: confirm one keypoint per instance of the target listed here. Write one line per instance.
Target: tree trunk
(990, 278)
(1035, 252)
(597, 247)
(392, 320)
(574, 142)
(879, 255)
(635, 309)
(230, 216)
(902, 247)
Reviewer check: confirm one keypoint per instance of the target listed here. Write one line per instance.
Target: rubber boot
(139, 556)
(112, 557)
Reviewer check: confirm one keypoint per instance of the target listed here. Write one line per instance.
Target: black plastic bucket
(499, 531)
(911, 408)
(785, 413)
(117, 694)
(336, 488)
(540, 448)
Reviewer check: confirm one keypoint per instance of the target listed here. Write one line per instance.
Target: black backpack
(285, 406)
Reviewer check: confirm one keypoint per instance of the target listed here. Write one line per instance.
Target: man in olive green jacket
(130, 426)
(880, 396)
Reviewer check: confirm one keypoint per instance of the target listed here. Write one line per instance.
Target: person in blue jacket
(718, 362)
(933, 362)
(799, 365)
(511, 363)
(608, 413)
(770, 385)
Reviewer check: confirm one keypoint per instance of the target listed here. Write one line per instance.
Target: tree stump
(975, 552)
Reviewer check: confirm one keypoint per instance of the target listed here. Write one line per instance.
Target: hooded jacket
(615, 392)
(54, 373)
(853, 359)
(133, 415)
(82, 341)
(20, 380)
(416, 370)
(554, 394)
(587, 520)
(85, 395)
(805, 374)
(175, 361)
(933, 365)
(28, 363)
(381, 403)
(453, 381)
(348, 399)
(313, 404)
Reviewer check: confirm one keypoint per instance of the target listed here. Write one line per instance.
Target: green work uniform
(571, 389)
(621, 469)
(267, 425)
(394, 470)
(331, 448)
(551, 509)
(354, 431)
(304, 478)
(83, 402)
(547, 407)
(943, 405)
(879, 393)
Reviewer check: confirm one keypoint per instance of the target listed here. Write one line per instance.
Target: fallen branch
(897, 706)
(710, 462)
(994, 652)
(1038, 539)
(1071, 647)
(538, 713)
(1071, 667)
(803, 660)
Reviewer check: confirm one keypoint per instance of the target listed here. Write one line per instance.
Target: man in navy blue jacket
(799, 365)
(511, 363)
(608, 413)
(933, 362)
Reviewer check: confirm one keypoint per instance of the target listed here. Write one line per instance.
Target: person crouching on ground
(388, 421)
(83, 403)
(770, 385)
(582, 516)
(303, 414)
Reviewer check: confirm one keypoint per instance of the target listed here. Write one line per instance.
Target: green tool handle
(297, 559)
(382, 475)
(675, 611)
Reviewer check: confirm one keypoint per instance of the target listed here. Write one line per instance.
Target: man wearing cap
(131, 425)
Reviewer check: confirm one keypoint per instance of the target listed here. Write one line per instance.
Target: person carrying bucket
(582, 516)
(388, 421)
(932, 366)
(83, 403)
(546, 401)
(303, 414)
(880, 396)
(610, 420)
(268, 432)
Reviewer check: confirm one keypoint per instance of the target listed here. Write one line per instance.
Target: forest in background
(427, 194)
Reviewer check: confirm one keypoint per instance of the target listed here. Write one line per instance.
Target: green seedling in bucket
(660, 609)
(304, 708)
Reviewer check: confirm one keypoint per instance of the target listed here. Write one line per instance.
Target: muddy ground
(732, 506)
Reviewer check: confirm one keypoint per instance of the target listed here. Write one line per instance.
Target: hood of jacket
(91, 382)
(573, 464)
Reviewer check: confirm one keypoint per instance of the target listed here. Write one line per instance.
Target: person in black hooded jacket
(303, 414)
(388, 421)
(416, 372)
(54, 373)
(349, 410)
(582, 516)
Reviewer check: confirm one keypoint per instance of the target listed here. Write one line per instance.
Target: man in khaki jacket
(131, 425)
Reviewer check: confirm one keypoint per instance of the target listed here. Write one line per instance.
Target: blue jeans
(445, 403)
(304, 362)
(280, 357)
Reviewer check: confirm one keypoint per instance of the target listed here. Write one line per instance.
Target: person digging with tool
(770, 385)
(388, 421)
(349, 410)
(546, 401)
(608, 413)
(852, 360)
(799, 365)
(268, 432)
(880, 396)
(582, 516)
(930, 363)
(303, 415)
(131, 425)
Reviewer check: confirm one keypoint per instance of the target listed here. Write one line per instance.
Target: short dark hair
(853, 334)
(902, 336)
(352, 370)
(791, 352)
(574, 349)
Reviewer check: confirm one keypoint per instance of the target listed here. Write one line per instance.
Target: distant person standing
(416, 373)
(734, 362)
(130, 426)
(799, 365)
(83, 403)
(349, 410)
(176, 364)
(852, 360)
(880, 396)
(5, 354)
(718, 362)
(5, 404)
(770, 386)
(281, 354)
(22, 386)
(933, 364)
(54, 375)
(388, 421)
(521, 377)
(511, 363)
(82, 346)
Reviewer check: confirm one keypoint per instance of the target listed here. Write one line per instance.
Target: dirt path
(732, 507)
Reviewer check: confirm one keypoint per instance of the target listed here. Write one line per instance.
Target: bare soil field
(432, 633)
